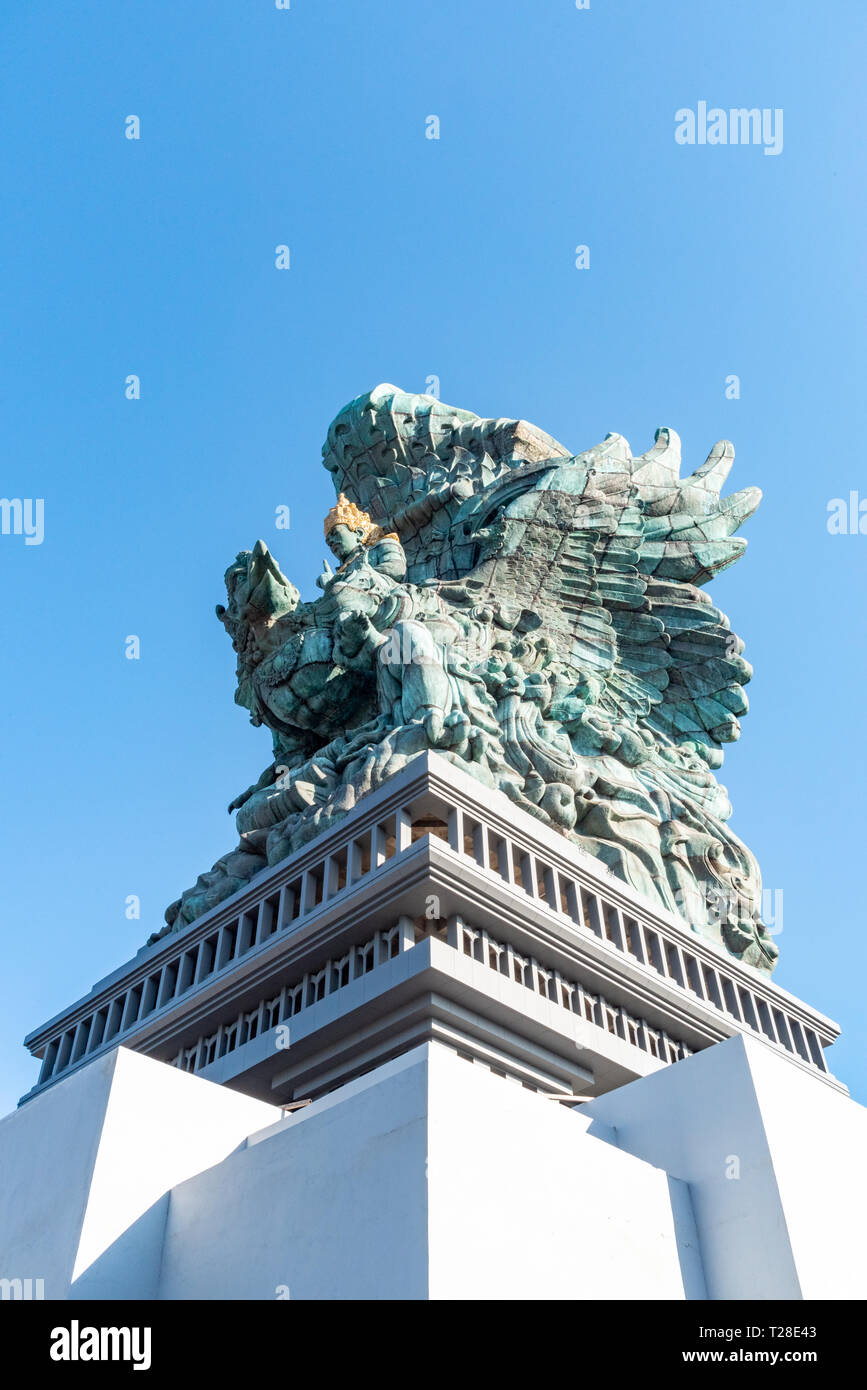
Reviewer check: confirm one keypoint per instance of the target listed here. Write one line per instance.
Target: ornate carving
(534, 616)
(345, 513)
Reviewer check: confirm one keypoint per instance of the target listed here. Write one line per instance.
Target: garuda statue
(534, 616)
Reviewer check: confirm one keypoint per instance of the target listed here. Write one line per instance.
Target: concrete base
(732, 1174)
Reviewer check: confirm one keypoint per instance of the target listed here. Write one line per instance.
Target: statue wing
(606, 553)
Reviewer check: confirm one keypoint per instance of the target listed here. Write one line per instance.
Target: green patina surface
(534, 616)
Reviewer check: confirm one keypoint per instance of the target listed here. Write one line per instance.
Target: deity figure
(534, 616)
(354, 539)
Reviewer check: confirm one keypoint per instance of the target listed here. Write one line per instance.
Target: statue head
(348, 528)
(259, 593)
(344, 540)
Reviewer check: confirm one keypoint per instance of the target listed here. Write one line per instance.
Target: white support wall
(88, 1166)
(775, 1164)
(524, 1203)
(432, 1177)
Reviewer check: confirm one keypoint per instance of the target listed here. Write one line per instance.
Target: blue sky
(409, 258)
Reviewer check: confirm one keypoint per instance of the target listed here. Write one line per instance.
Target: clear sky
(410, 258)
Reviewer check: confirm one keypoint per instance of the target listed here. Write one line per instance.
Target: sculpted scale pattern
(532, 615)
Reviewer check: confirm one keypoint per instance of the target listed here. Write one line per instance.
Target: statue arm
(266, 780)
(388, 558)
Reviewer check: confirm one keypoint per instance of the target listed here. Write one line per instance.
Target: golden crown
(346, 513)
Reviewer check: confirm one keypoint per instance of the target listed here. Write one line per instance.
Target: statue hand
(353, 630)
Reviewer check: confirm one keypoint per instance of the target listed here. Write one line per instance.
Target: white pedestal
(732, 1174)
